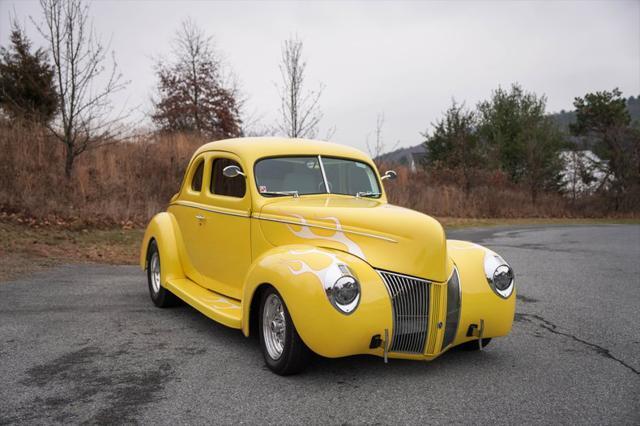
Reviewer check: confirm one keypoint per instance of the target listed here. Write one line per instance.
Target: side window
(222, 185)
(196, 180)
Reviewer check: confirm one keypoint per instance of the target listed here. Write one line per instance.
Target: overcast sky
(406, 60)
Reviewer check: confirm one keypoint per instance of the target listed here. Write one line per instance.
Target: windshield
(304, 175)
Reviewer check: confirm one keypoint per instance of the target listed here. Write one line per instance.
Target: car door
(224, 233)
(187, 210)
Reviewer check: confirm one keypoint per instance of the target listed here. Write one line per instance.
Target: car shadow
(320, 367)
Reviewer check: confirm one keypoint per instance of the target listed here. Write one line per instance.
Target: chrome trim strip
(209, 209)
(455, 271)
(393, 311)
(330, 228)
(459, 305)
(324, 175)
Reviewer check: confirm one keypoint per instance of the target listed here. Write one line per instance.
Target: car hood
(386, 236)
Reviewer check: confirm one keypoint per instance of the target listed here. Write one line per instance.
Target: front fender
(164, 230)
(297, 272)
(479, 302)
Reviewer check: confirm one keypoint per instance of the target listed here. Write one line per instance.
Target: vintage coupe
(294, 240)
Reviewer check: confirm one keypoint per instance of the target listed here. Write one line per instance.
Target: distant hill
(562, 118)
(402, 155)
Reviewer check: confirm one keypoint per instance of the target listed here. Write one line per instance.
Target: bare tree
(377, 147)
(195, 95)
(299, 107)
(84, 80)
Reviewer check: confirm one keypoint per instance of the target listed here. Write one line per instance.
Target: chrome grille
(410, 302)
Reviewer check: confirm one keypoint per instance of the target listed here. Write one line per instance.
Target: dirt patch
(28, 248)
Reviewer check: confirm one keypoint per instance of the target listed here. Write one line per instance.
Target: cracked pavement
(83, 344)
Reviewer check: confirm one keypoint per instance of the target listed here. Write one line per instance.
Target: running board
(214, 305)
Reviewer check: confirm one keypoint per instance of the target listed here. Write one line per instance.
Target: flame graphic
(339, 236)
(224, 304)
(328, 274)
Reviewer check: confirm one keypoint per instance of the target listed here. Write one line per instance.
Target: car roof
(252, 149)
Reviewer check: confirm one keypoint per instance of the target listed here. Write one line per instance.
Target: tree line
(512, 133)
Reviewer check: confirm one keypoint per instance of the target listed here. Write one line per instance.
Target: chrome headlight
(344, 293)
(499, 274)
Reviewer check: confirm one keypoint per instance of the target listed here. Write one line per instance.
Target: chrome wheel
(274, 326)
(154, 268)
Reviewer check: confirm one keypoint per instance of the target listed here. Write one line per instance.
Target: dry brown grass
(119, 183)
(484, 201)
(492, 196)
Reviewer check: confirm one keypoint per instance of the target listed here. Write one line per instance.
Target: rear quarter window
(196, 180)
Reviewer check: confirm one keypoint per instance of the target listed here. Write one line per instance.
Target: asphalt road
(85, 344)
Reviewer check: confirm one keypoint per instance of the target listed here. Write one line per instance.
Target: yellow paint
(217, 262)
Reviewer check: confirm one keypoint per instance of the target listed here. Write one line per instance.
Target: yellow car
(294, 240)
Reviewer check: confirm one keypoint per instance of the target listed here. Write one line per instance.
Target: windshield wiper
(367, 194)
(281, 193)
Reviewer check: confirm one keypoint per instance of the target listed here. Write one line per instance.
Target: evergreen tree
(26, 80)
(453, 143)
(522, 141)
(604, 117)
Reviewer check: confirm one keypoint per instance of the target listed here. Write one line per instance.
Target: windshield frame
(319, 157)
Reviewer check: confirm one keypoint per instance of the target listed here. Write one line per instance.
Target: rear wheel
(160, 296)
(284, 351)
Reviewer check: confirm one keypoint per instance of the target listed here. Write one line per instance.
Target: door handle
(199, 217)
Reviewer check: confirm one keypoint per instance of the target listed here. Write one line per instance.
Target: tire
(474, 345)
(160, 296)
(284, 351)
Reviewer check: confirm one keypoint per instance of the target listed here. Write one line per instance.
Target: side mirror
(232, 171)
(389, 174)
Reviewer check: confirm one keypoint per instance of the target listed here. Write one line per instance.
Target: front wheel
(284, 351)
(160, 296)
